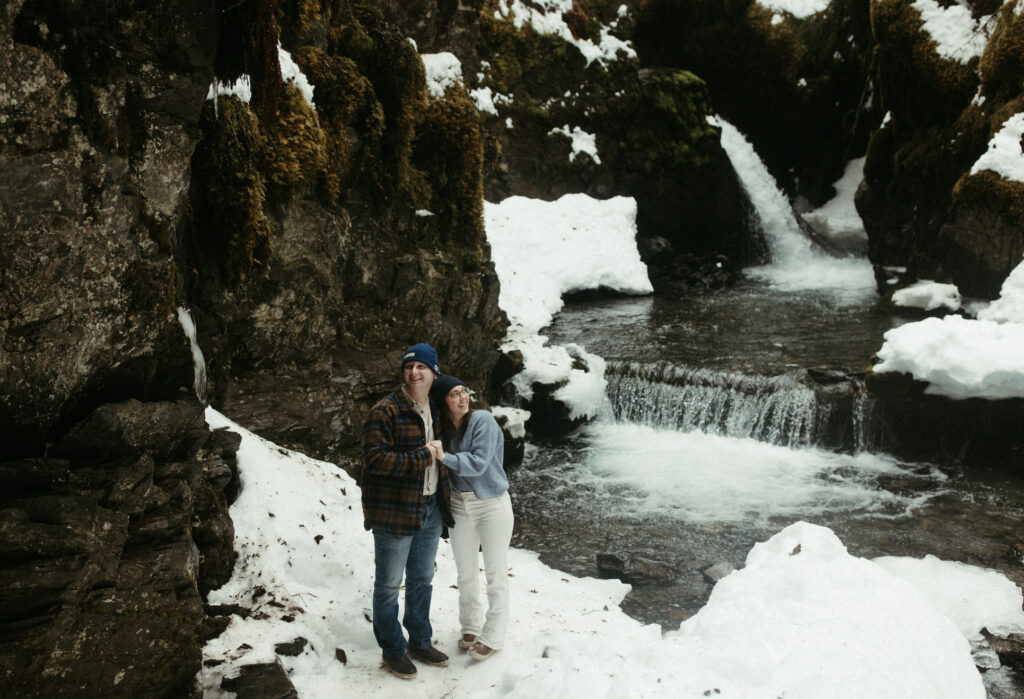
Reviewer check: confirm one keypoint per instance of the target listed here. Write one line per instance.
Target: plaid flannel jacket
(395, 458)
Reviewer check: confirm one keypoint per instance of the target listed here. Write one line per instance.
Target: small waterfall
(863, 406)
(198, 361)
(778, 410)
(797, 264)
(782, 231)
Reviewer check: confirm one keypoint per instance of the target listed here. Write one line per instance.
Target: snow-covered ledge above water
(543, 250)
(962, 358)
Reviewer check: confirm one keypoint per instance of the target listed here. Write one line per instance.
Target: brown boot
(429, 655)
(478, 651)
(399, 666)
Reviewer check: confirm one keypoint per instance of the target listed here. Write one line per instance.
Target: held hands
(436, 450)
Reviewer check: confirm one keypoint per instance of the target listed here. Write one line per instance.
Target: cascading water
(198, 361)
(776, 410)
(796, 263)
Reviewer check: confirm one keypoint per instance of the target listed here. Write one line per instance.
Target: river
(691, 471)
(732, 414)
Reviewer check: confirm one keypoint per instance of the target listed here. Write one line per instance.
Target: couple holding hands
(430, 461)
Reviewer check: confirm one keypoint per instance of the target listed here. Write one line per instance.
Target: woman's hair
(448, 429)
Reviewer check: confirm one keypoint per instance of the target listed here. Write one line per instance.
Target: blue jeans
(414, 556)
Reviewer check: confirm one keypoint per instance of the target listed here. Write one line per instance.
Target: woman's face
(458, 402)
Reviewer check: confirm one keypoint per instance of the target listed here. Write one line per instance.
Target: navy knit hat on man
(442, 385)
(422, 352)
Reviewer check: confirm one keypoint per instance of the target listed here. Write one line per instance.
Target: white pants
(482, 525)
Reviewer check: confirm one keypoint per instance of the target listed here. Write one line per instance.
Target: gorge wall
(311, 243)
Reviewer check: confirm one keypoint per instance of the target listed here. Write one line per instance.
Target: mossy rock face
(350, 116)
(915, 84)
(449, 152)
(228, 172)
(652, 138)
(296, 145)
(1002, 64)
(921, 206)
(984, 239)
(671, 160)
(342, 271)
(797, 88)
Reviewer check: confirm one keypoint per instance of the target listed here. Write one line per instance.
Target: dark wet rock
(636, 570)
(828, 375)
(515, 444)
(293, 647)
(915, 426)
(718, 571)
(168, 431)
(211, 628)
(100, 572)
(686, 273)
(549, 417)
(261, 681)
(26, 476)
(341, 656)
(1010, 649)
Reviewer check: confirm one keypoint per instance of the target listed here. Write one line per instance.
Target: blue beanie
(442, 385)
(422, 352)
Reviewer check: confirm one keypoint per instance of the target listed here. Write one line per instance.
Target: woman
(473, 452)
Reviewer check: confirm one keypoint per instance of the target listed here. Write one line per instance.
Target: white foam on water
(703, 477)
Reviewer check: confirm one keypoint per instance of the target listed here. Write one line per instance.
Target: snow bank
(443, 71)
(973, 598)
(957, 357)
(962, 358)
(803, 619)
(548, 17)
(958, 35)
(798, 8)
(1004, 155)
(806, 619)
(929, 296)
(542, 250)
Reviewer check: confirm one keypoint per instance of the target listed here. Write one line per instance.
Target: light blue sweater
(476, 461)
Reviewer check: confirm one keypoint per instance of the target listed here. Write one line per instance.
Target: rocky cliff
(290, 231)
(312, 240)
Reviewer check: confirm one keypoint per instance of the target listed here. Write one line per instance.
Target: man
(406, 500)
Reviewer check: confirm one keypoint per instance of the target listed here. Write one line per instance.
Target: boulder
(636, 570)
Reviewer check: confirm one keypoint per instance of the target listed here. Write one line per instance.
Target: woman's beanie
(442, 385)
(422, 352)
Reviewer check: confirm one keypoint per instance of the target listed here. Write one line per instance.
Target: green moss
(395, 71)
(673, 134)
(350, 115)
(227, 165)
(984, 188)
(1002, 64)
(449, 151)
(296, 148)
(916, 84)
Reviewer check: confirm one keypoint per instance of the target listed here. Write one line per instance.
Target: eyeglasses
(458, 393)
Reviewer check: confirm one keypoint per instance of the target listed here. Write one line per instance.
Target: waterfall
(796, 263)
(777, 410)
(198, 361)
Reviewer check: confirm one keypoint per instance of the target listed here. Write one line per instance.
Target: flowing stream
(714, 438)
(733, 414)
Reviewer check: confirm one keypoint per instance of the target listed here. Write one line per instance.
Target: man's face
(418, 376)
